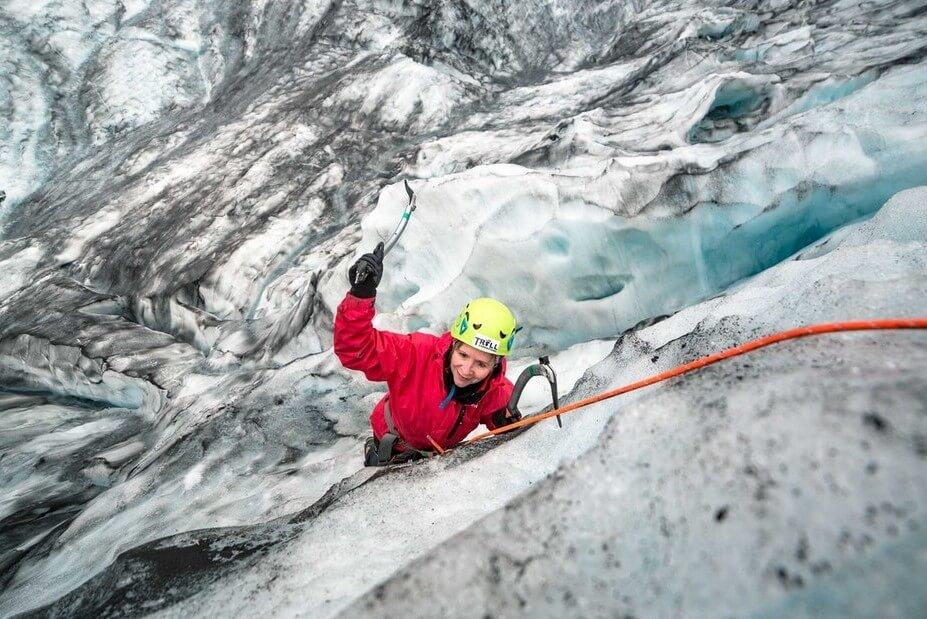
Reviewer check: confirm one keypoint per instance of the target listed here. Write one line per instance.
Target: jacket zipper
(460, 417)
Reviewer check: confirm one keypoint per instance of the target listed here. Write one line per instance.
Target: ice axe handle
(363, 270)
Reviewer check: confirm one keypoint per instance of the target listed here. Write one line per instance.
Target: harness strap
(387, 445)
(388, 414)
(388, 441)
(385, 448)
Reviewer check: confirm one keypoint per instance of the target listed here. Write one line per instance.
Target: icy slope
(629, 239)
(790, 482)
(767, 484)
(188, 182)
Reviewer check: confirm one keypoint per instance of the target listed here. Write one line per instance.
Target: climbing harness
(384, 451)
(831, 327)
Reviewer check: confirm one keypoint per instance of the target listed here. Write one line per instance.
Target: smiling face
(469, 365)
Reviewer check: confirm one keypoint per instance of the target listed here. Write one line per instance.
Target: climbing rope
(791, 334)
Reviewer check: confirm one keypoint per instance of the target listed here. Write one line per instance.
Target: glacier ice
(599, 240)
(643, 182)
(76, 74)
(770, 486)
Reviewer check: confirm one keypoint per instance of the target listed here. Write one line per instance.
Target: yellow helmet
(486, 324)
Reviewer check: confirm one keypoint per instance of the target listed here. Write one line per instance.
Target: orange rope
(434, 444)
(829, 327)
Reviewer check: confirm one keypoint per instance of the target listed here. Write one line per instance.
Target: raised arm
(378, 354)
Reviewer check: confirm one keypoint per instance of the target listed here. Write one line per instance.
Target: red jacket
(413, 367)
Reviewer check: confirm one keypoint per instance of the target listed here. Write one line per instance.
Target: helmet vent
(477, 325)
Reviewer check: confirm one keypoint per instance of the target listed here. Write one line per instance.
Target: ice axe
(363, 271)
(542, 368)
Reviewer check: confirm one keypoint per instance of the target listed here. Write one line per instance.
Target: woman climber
(439, 387)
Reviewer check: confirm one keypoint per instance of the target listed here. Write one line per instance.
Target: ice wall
(638, 237)
(786, 482)
(75, 74)
(172, 252)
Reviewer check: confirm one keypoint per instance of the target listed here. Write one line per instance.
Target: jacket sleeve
(380, 355)
(493, 407)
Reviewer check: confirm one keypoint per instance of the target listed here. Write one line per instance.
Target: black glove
(504, 417)
(365, 275)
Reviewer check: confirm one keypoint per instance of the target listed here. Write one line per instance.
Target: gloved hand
(365, 274)
(504, 417)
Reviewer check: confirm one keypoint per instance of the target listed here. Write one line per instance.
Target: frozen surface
(788, 482)
(188, 181)
(76, 74)
(763, 485)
